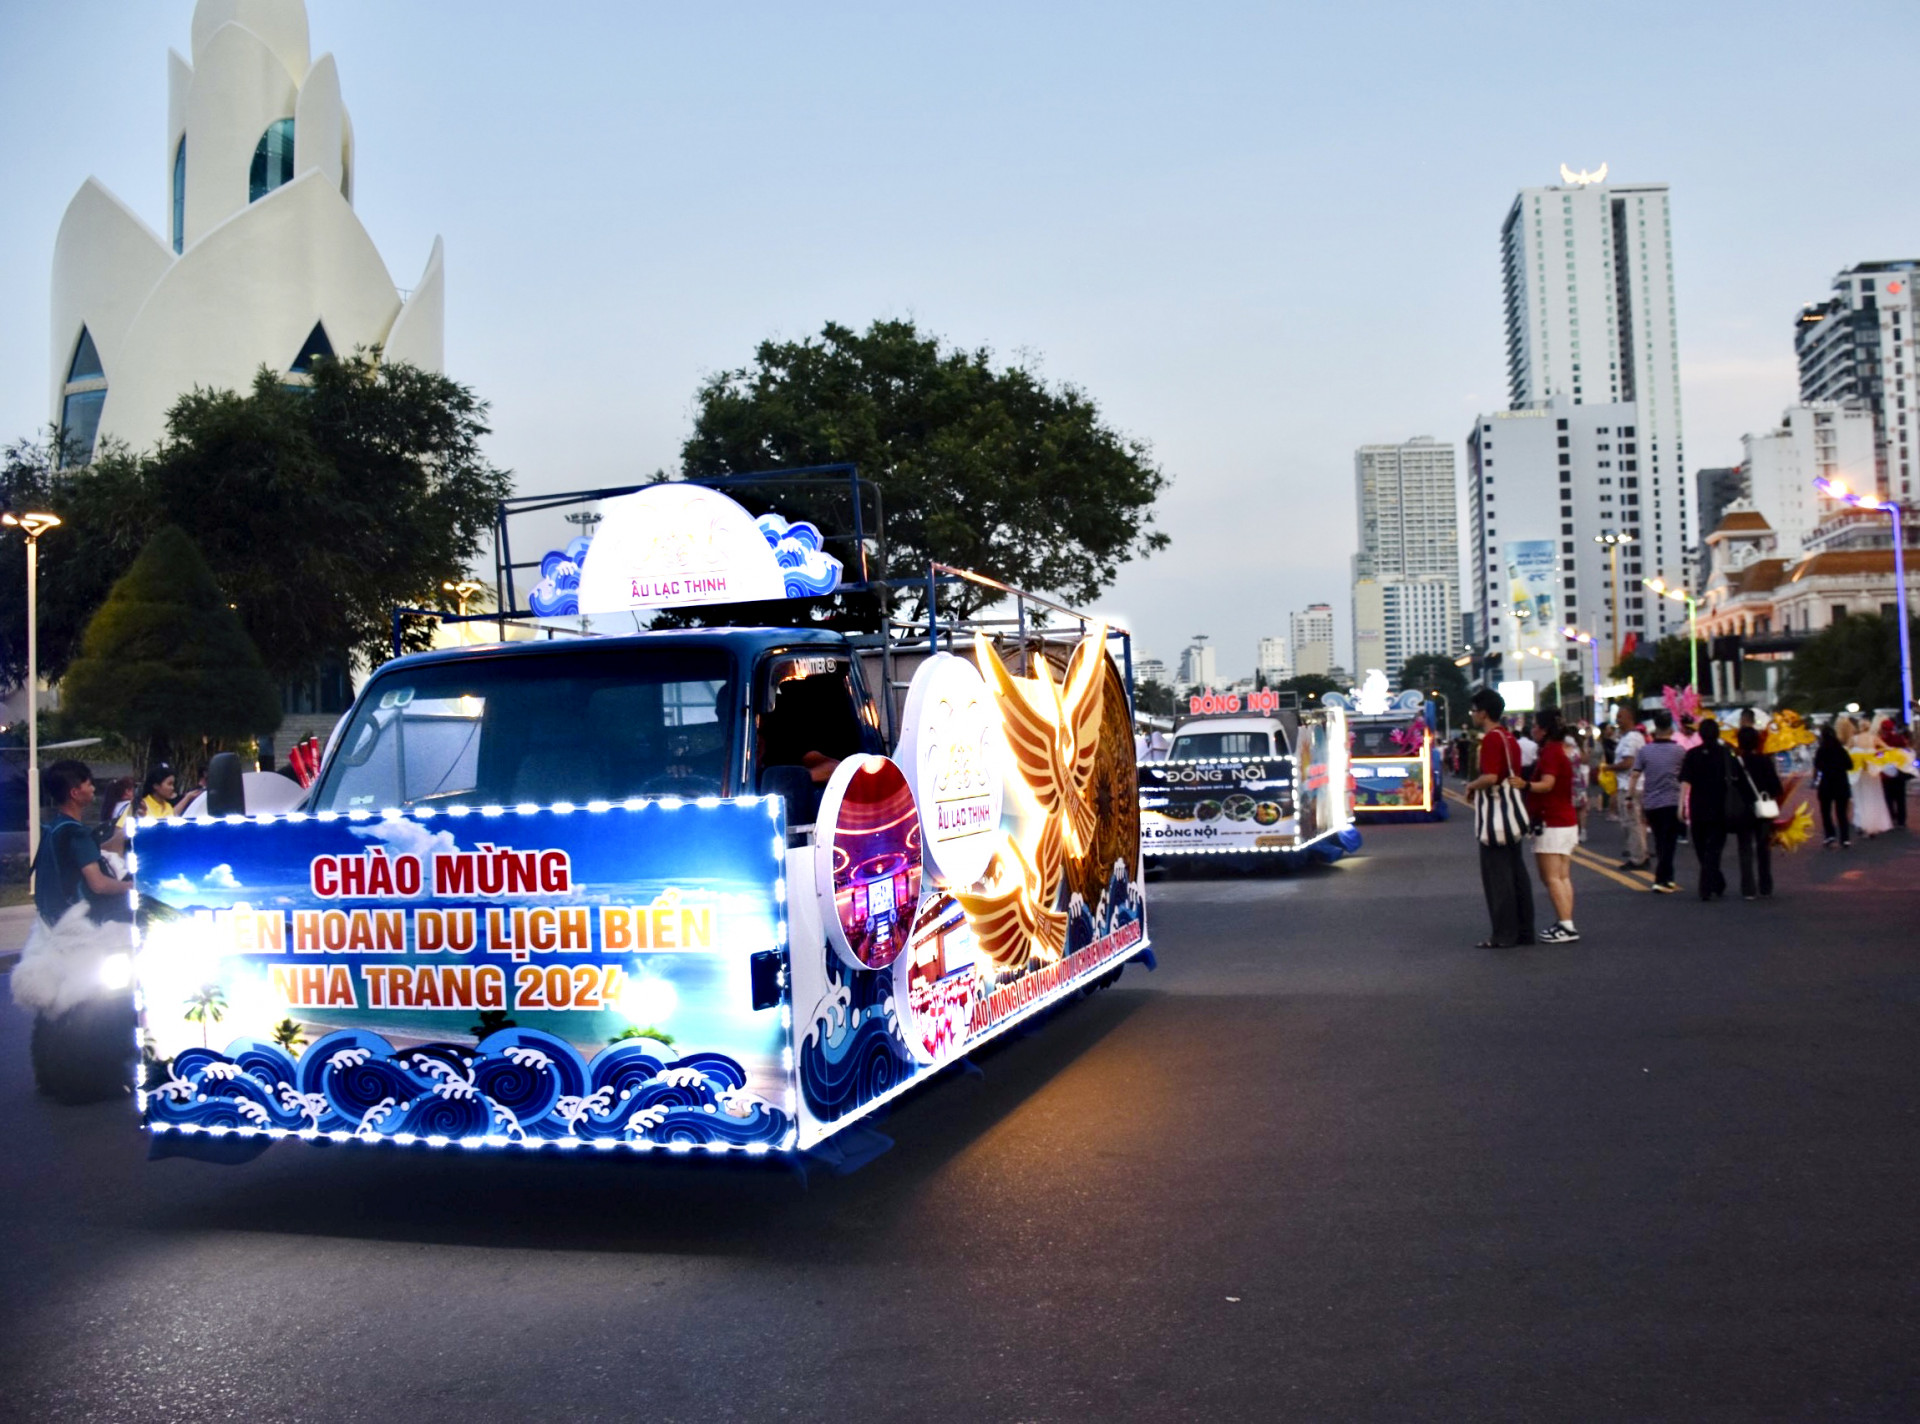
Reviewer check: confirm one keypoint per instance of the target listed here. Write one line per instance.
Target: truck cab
(705, 712)
(1229, 739)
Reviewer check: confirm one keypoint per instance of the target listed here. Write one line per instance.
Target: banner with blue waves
(508, 976)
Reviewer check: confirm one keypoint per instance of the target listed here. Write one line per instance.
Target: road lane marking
(1585, 858)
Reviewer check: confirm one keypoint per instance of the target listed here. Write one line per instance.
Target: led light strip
(491, 1141)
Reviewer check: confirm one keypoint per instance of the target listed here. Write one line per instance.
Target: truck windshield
(1216, 746)
(577, 725)
(1376, 740)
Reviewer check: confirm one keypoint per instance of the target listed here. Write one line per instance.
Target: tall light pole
(1547, 655)
(1659, 586)
(33, 526)
(1612, 540)
(1575, 635)
(1837, 489)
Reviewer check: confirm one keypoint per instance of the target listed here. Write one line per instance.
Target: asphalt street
(1328, 1162)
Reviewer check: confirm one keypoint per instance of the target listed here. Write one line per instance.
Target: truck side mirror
(794, 785)
(226, 791)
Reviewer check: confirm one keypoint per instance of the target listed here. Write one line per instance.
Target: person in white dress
(1870, 812)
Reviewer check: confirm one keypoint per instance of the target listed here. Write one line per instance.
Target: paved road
(1328, 1162)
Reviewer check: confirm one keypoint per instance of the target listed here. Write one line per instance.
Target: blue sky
(1258, 236)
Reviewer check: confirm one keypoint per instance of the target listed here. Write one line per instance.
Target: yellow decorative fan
(1797, 832)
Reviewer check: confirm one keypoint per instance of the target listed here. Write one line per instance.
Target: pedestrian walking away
(1833, 784)
(1719, 804)
(1769, 793)
(1631, 786)
(1550, 796)
(1503, 867)
(1657, 765)
(1895, 780)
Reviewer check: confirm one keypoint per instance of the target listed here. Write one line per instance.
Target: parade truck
(1394, 755)
(1245, 777)
(723, 887)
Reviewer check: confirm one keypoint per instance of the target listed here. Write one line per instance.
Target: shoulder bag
(1499, 811)
(1765, 808)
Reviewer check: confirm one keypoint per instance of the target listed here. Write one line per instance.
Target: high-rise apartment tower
(1858, 347)
(1588, 270)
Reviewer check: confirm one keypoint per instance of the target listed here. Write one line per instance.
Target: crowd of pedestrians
(1666, 786)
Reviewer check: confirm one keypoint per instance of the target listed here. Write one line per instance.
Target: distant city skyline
(604, 175)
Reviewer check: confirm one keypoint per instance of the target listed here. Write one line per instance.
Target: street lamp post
(1547, 655)
(1612, 540)
(1837, 489)
(33, 526)
(1659, 586)
(1593, 645)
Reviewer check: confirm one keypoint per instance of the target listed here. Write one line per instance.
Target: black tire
(86, 1054)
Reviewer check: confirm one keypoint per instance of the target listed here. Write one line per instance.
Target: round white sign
(674, 544)
(952, 748)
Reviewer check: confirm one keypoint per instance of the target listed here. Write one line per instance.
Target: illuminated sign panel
(518, 977)
(952, 752)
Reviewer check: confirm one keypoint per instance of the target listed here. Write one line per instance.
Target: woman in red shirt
(1550, 797)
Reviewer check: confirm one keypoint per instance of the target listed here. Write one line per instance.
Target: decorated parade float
(1245, 778)
(726, 886)
(1394, 756)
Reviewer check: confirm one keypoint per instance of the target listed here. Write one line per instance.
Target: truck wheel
(86, 1054)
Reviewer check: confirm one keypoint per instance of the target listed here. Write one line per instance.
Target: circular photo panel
(867, 861)
(934, 983)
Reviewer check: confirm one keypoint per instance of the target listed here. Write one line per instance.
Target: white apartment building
(1404, 497)
(1150, 670)
(1559, 475)
(1588, 270)
(1858, 347)
(1273, 664)
(1395, 618)
(1312, 634)
(1823, 441)
(1197, 664)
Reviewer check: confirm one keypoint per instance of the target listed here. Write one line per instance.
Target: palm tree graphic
(288, 1035)
(208, 1004)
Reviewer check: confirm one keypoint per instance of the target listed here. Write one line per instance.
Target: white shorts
(1556, 840)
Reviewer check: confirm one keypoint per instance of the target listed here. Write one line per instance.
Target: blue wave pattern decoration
(799, 551)
(516, 1086)
(852, 1054)
(557, 595)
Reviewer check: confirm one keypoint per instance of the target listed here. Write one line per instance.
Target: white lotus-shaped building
(263, 262)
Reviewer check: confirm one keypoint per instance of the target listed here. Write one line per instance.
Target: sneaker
(1665, 887)
(1559, 934)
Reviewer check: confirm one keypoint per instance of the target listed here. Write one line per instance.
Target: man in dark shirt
(69, 867)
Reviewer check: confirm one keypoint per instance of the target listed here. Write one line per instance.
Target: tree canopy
(1310, 686)
(318, 508)
(1852, 659)
(1667, 664)
(166, 659)
(1435, 672)
(985, 468)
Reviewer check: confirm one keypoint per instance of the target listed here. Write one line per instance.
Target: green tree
(1311, 687)
(319, 508)
(165, 659)
(1666, 664)
(987, 469)
(1434, 672)
(1155, 698)
(1852, 659)
(290, 1035)
(205, 1006)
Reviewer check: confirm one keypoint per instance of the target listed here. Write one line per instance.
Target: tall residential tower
(1588, 270)
(1857, 348)
(1409, 558)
